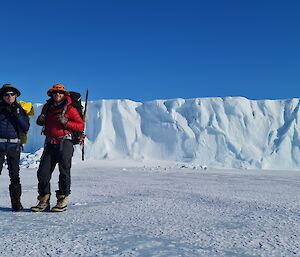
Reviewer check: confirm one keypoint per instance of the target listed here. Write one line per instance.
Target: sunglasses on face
(9, 94)
(58, 92)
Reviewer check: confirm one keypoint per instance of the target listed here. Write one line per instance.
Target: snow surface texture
(144, 209)
(231, 132)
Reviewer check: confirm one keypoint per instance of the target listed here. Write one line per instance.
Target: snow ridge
(230, 132)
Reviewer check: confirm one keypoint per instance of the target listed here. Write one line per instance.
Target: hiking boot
(43, 205)
(15, 196)
(62, 202)
(16, 205)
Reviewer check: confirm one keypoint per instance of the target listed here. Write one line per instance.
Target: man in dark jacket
(59, 119)
(13, 121)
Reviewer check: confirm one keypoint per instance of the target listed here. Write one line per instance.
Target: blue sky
(144, 50)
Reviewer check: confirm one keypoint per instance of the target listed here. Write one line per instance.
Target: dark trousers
(13, 160)
(53, 154)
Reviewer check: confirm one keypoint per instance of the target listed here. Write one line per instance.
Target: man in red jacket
(59, 119)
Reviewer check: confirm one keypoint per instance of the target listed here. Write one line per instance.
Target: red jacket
(54, 130)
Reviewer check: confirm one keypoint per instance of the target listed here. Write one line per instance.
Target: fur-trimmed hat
(9, 88)
(57, 87)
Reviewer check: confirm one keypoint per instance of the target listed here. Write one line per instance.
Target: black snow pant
(13, 160)
(62, 154)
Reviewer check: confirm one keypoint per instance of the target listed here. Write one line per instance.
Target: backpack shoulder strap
(64, 110)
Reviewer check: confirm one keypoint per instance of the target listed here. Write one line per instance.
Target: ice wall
(231, 132)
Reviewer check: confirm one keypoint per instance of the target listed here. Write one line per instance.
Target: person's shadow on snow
(7, 209)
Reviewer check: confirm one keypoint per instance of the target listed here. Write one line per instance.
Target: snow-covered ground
(126, 208)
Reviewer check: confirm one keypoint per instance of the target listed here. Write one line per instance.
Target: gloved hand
(63, 120)
(14, 109)
(40, 120)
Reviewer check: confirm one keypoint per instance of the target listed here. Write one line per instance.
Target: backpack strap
(64, 110)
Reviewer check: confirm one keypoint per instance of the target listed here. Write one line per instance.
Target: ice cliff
(231, 132)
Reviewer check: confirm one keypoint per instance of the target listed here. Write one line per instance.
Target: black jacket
(13, 120)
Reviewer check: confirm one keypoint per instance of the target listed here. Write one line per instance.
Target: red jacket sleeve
(75, 122)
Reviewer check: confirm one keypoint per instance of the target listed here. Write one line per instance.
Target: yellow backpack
(28, 108)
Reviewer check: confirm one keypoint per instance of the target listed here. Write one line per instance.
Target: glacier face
(231, 132)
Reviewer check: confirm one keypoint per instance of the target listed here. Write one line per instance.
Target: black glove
(40, 120)
(14, 109)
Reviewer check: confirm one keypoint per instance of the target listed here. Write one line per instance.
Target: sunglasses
(9, 94)
(57, 92)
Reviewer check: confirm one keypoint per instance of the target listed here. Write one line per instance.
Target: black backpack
(77, 136)
(76, 102)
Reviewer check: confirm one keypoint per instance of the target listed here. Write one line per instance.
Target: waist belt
(10, 140)
(64, 137)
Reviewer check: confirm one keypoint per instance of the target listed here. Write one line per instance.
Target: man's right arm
(41, 118)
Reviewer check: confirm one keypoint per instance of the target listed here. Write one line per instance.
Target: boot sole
(58, 209)
(40, 210)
